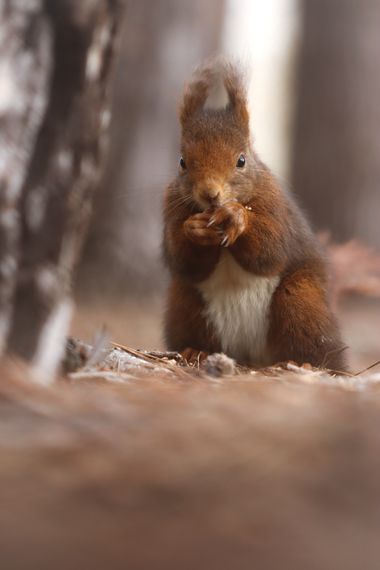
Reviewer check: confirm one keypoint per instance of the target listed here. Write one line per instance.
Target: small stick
(331, 353)
(137, 353)
(368, 368)
(151, 358)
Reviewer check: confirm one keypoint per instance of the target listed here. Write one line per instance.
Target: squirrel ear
(195, 95)
(198, 90)
(237, 95)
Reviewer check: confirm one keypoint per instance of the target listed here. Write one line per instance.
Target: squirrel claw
(224, 242)
(211, 222)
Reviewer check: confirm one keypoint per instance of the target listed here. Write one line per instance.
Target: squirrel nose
(210, 195)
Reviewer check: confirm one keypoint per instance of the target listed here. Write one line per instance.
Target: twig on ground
(368, 368)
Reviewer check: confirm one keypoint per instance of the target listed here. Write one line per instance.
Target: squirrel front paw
(230, 220)
(197, 228)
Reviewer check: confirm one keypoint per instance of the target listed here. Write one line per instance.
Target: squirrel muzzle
(208, 193)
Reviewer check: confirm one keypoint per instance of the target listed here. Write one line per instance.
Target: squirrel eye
(241, 161)
(182, 163)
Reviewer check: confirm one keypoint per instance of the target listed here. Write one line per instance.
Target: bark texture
(25, 68)
(336, 168)
(55, 60)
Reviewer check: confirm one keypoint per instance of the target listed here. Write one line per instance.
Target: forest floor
(137, 322)
(136, 462)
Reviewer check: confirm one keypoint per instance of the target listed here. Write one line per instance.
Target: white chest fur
(237, 305)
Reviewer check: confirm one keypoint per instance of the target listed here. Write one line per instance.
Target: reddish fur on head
(214, 139)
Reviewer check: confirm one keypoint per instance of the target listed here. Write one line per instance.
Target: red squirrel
(248, 277)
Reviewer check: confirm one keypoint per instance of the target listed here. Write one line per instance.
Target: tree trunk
(162, 41)
(336, 167)
(55, 59)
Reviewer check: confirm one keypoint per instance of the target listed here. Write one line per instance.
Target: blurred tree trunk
(55, 59)
(336, 168)
(162, 41)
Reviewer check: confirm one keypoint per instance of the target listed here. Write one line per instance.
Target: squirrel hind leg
(302, 326)
(186, 327)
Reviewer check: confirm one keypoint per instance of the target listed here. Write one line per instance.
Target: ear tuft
(196, 93)
(235, 84)
(205, 79)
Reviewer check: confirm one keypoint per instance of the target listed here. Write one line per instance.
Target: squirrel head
(217, 161)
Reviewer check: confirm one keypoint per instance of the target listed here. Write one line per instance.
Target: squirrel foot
(194, 357)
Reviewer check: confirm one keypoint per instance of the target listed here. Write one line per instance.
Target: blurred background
(314, 100)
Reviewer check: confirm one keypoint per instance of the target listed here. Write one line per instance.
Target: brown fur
(186, 301)
(213, 203)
